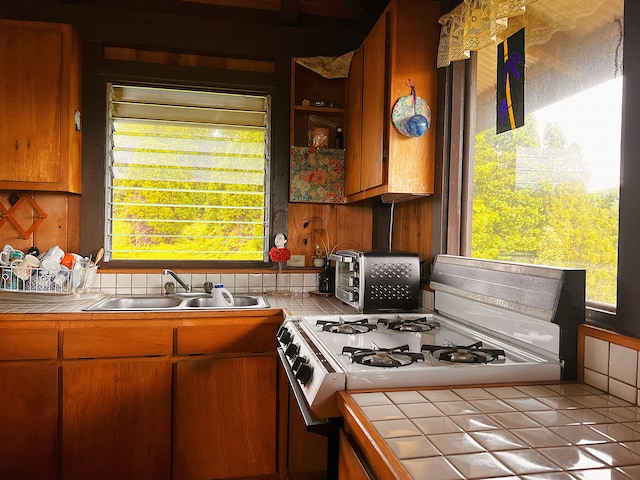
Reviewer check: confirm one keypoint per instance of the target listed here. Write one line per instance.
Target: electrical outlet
(296, 261)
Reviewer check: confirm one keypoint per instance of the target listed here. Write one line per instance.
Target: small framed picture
(320, 137)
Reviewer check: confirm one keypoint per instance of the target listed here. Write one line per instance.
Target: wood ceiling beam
(290, 12)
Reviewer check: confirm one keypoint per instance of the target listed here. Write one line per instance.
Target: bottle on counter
(339, 140)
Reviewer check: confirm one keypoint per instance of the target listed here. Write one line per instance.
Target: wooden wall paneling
(61, 226)
(348, 226)
(307, 223)
(412, 226)
(354, 226)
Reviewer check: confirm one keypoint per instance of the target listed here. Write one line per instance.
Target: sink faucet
(186, 286)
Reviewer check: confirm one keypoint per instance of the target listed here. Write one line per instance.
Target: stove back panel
(548, 294)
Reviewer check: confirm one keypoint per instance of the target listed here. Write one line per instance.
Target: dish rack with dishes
(40, 280)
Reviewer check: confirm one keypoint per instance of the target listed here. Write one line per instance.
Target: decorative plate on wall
(411, 120)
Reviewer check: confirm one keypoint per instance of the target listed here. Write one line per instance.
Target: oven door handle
(313, 424)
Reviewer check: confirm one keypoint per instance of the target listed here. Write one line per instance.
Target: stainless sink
(176, 302)
(238, 302)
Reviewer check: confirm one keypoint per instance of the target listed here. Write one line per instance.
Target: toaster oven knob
(292, 350)
(304, 373)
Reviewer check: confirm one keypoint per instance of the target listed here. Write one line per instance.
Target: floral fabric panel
(316, 175)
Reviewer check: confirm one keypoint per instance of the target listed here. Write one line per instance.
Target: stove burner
(401, 324)
(470, 354)
(353, 327)
(383, 357)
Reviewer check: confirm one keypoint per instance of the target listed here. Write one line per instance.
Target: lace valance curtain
(473, 25)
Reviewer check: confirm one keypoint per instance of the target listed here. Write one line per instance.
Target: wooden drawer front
(97, 342)
(28, 344)
(227, 339)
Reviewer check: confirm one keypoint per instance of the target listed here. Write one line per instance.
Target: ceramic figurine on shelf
(319, 258)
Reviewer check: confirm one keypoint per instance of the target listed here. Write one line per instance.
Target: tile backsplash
(611, 362)
(153, 283)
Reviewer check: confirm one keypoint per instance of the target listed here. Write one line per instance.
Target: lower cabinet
(28, 421)
(28, 401)
(352, 465)
(225, 418)
(116, 420)
(153, 399)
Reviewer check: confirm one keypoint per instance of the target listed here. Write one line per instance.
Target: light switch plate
(296, 261)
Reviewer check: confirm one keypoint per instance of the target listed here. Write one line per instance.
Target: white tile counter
(559, 431)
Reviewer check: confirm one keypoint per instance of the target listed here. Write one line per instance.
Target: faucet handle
(208, 287)
(169, 288)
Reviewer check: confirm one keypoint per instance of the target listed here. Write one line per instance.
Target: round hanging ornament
(411, 115)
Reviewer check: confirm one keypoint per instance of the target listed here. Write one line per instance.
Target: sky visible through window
(593, 120)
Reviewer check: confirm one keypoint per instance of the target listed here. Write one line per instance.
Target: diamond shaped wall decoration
(7, 215)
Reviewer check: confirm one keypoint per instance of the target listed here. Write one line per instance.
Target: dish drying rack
(62, 282)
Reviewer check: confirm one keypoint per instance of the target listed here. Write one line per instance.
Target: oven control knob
(297, 362)
(284, 335)
(292, 350)
(304, 373)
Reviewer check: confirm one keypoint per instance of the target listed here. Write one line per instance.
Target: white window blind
(187, 175)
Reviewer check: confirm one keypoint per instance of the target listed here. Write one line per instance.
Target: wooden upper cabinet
(373, 105)
(40, 87)
(402, 46)
(353, 125)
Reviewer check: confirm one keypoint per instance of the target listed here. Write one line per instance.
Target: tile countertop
(551, 432)
(38, 303)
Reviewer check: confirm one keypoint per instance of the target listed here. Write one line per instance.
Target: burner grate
(383, 357)
(347, 328)
(473, 353)
(401, 324)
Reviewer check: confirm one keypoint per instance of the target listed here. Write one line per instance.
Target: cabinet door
(28, 421)
(116, 420)
(40, 90)
(225, 418)
(352, 465)
(353, 125)
(373, 107)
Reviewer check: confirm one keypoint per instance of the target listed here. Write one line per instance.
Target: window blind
(187, 175)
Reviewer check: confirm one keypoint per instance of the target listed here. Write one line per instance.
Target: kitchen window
(186, 174)
(548, 192)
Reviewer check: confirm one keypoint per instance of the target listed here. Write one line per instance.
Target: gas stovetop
(342, 337)
(494, 323)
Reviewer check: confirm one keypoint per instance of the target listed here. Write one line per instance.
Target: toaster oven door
(347, 281)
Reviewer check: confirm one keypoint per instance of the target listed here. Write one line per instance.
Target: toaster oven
(377, 281)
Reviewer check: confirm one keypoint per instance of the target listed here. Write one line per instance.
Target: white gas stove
(495, 322)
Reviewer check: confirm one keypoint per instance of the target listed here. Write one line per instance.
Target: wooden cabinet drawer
(255, 338)
(95, 342)
(28, 344)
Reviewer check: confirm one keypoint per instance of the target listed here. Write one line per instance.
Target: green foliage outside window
(548, 219)
(187, 192)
